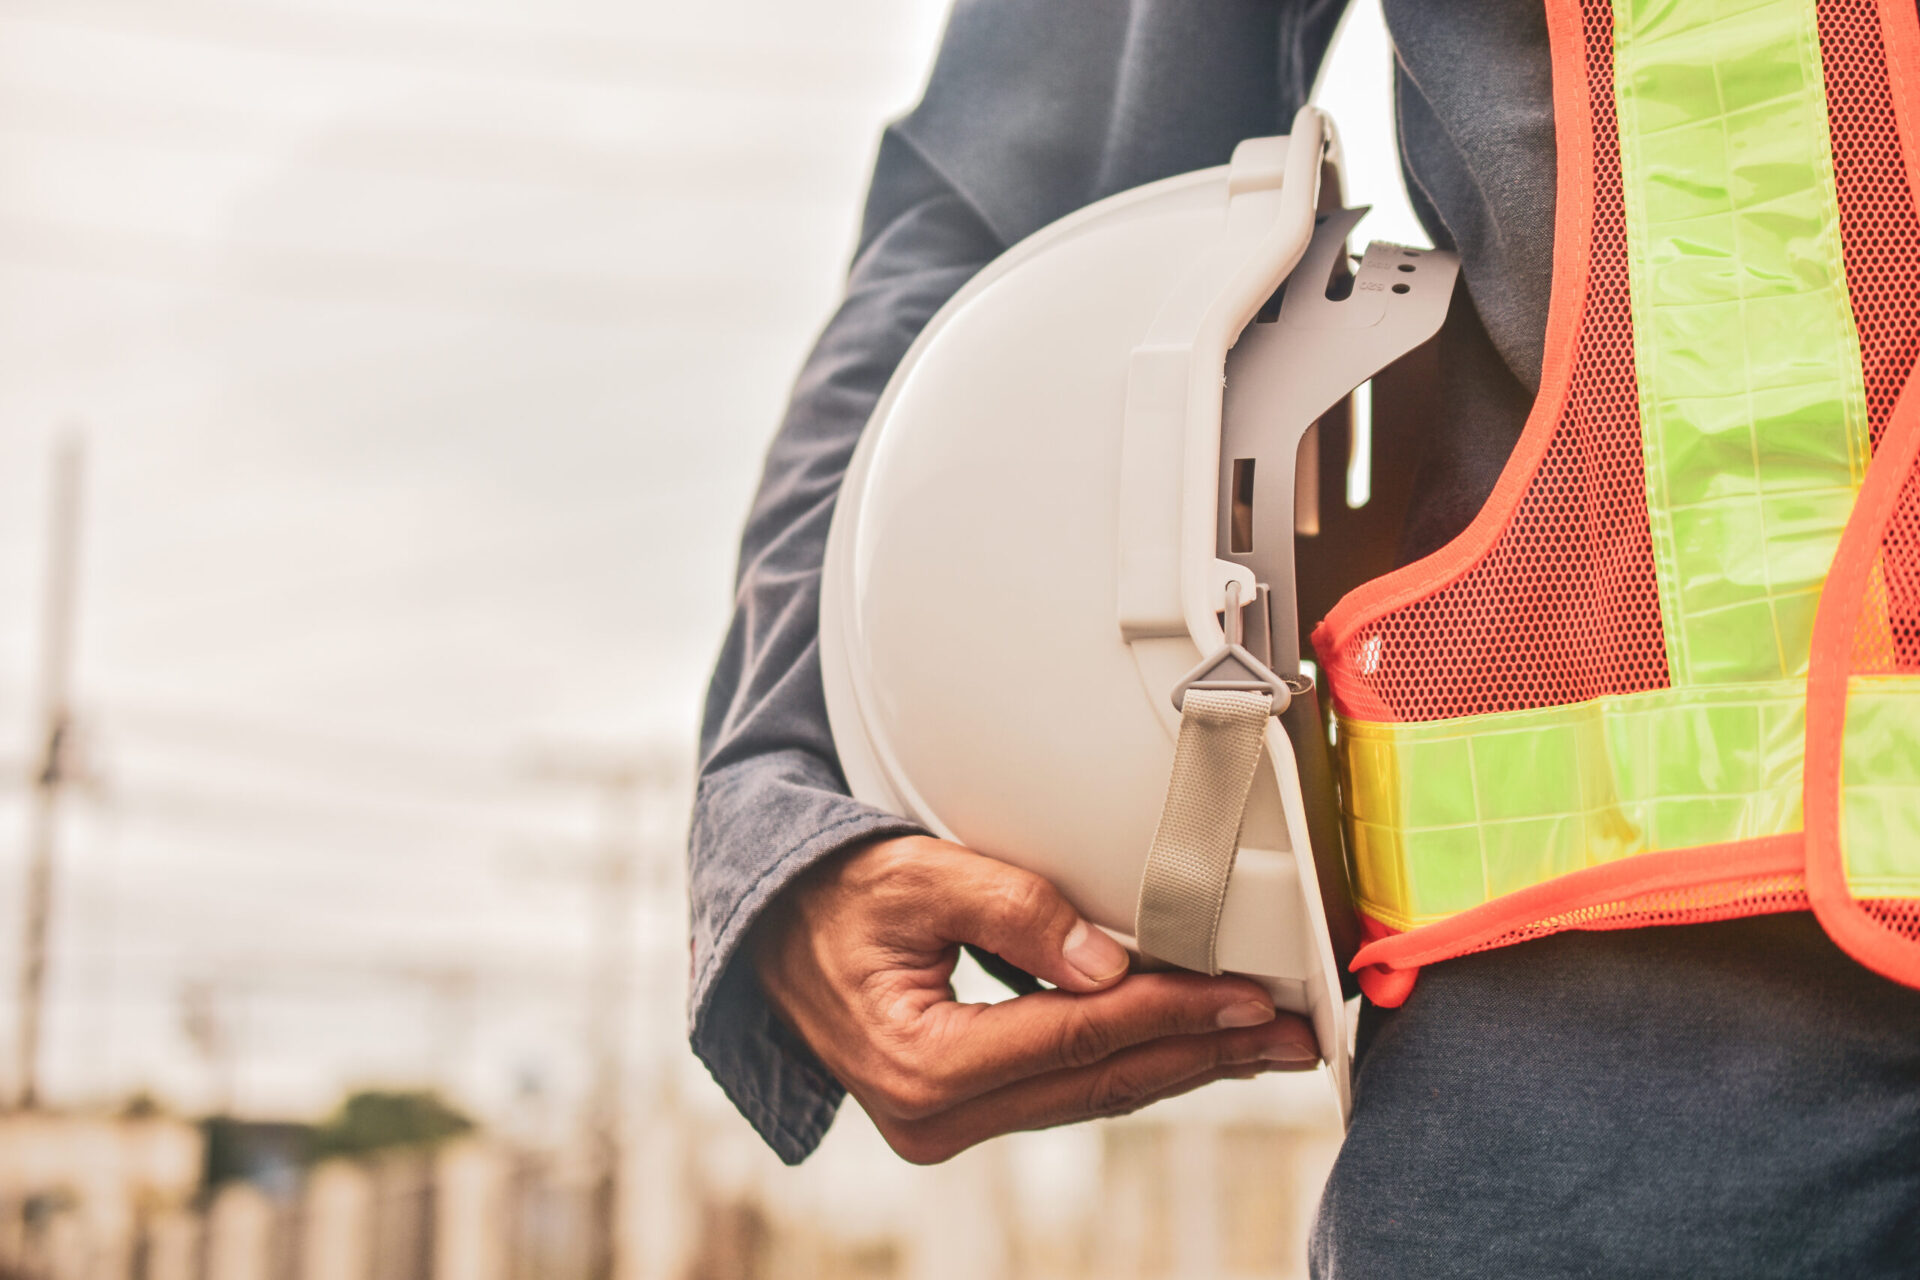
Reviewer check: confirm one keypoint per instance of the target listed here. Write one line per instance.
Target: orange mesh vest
(1671, 672)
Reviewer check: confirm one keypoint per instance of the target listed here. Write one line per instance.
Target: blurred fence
(470, 1210)
(1218, 1187)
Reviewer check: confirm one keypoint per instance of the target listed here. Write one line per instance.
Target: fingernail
(1291, 1055)
(1251, 1013)
(1097, 957)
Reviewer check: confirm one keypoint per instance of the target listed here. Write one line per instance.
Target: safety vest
(1671, 672)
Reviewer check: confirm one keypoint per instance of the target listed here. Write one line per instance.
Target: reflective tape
(1444, 815)
(1753, 414)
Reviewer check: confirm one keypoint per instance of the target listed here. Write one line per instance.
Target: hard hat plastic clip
(1233, 669)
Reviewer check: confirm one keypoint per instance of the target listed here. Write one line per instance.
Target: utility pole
(206, 1019)
(452, 991)
(622, 783)
(52, 755)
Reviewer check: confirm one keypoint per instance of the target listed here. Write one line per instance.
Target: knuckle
(1020, 898)
(889, 862)
(1114, 1092)
(909, 1094)
(1087, 1039)
(904, 875)
(1185, 1008)
(1226, 1051)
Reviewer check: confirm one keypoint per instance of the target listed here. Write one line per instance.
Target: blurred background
(384, 384)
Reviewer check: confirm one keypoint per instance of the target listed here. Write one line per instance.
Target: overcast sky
(424, 352)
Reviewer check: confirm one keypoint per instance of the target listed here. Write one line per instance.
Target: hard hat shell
(1022, 563)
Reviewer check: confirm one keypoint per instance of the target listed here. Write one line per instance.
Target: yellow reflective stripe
(1445, 815)
(1880, 787)
(1755, 436)
(1752, 408)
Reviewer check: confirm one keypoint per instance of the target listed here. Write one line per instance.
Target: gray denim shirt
(1034, 108)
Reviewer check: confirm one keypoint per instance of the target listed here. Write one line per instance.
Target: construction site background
(387, 381)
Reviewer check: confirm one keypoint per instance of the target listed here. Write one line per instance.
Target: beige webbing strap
(1184, 886)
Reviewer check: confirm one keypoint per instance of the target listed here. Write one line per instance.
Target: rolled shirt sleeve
(1033, 109)
(771, 801)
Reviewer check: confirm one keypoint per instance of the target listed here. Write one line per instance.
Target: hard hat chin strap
(1184, 886)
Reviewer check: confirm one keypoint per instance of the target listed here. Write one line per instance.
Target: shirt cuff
(766, 1070)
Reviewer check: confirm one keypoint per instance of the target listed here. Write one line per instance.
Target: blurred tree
(142, 1104)
(267, 1153)
(378, 1119)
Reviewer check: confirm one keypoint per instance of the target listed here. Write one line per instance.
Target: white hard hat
(1080, 477)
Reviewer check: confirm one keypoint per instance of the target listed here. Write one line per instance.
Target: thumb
(1024, 920)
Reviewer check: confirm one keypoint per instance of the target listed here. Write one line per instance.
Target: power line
(394, 279)
(368, 779)
(415, 765)
(522, 51)
(748, 169)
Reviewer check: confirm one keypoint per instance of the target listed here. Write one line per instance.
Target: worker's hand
(856, 957)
